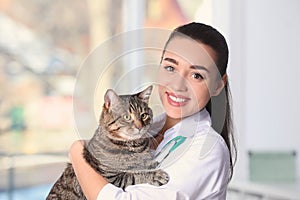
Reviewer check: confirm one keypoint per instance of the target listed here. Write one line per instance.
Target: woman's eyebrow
(171, 60)
(198, 67)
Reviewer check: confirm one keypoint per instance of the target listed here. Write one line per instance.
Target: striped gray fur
(119, 149)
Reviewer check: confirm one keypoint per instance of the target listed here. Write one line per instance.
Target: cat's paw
(160, 178)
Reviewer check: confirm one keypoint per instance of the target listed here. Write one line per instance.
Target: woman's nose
(179, 83)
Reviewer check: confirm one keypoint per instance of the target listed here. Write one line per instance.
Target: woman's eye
(127, 117)
(169, 68)
(144, 116)
(197, 76)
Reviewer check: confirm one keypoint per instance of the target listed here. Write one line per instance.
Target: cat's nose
(138, 124)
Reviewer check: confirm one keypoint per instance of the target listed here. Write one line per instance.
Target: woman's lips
(176, 100)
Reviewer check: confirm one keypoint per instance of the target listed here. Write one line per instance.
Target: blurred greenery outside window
(42, 47)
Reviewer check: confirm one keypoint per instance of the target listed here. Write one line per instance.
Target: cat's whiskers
(153, 142)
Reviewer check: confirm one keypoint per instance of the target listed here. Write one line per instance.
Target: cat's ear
(145, 94)
(110, 98)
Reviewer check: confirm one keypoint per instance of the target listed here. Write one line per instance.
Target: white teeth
(176, 99)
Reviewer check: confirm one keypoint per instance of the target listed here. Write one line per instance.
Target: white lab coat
(199, 168)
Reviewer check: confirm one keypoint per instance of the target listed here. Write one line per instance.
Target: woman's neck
(170, 122)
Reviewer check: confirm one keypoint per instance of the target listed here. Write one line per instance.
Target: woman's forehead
(194, 52)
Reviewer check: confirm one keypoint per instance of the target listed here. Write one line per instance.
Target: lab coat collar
(197, 123)
(187, 127)
(193, 124)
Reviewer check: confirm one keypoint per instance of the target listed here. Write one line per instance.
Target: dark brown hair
(219, 106)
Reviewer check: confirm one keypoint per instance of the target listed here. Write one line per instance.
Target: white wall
(264, 39)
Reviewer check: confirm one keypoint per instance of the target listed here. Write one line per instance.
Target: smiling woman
(187, 77)
(196, 156)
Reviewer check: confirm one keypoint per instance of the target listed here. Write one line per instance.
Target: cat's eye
(127, 117)
(144, 116)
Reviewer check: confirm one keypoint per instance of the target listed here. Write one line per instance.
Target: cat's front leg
(124, 179)
(156, 177)
(159, 177)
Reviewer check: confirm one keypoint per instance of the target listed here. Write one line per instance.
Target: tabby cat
(119, 149)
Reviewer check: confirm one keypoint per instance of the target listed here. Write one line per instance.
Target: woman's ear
(221, 84)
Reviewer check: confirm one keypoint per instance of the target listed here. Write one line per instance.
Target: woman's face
(188, 77)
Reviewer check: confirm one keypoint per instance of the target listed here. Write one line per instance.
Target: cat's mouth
(125, 136)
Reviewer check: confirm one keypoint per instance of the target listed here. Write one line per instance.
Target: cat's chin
(124, 136)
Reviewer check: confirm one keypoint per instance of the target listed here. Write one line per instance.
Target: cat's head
(126, 117)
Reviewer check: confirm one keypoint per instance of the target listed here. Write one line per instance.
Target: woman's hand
(90, 181)
(76, 149)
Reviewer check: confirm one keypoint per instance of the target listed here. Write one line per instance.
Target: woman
(194, 91)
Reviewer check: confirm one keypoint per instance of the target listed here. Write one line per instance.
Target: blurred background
(44, 43)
